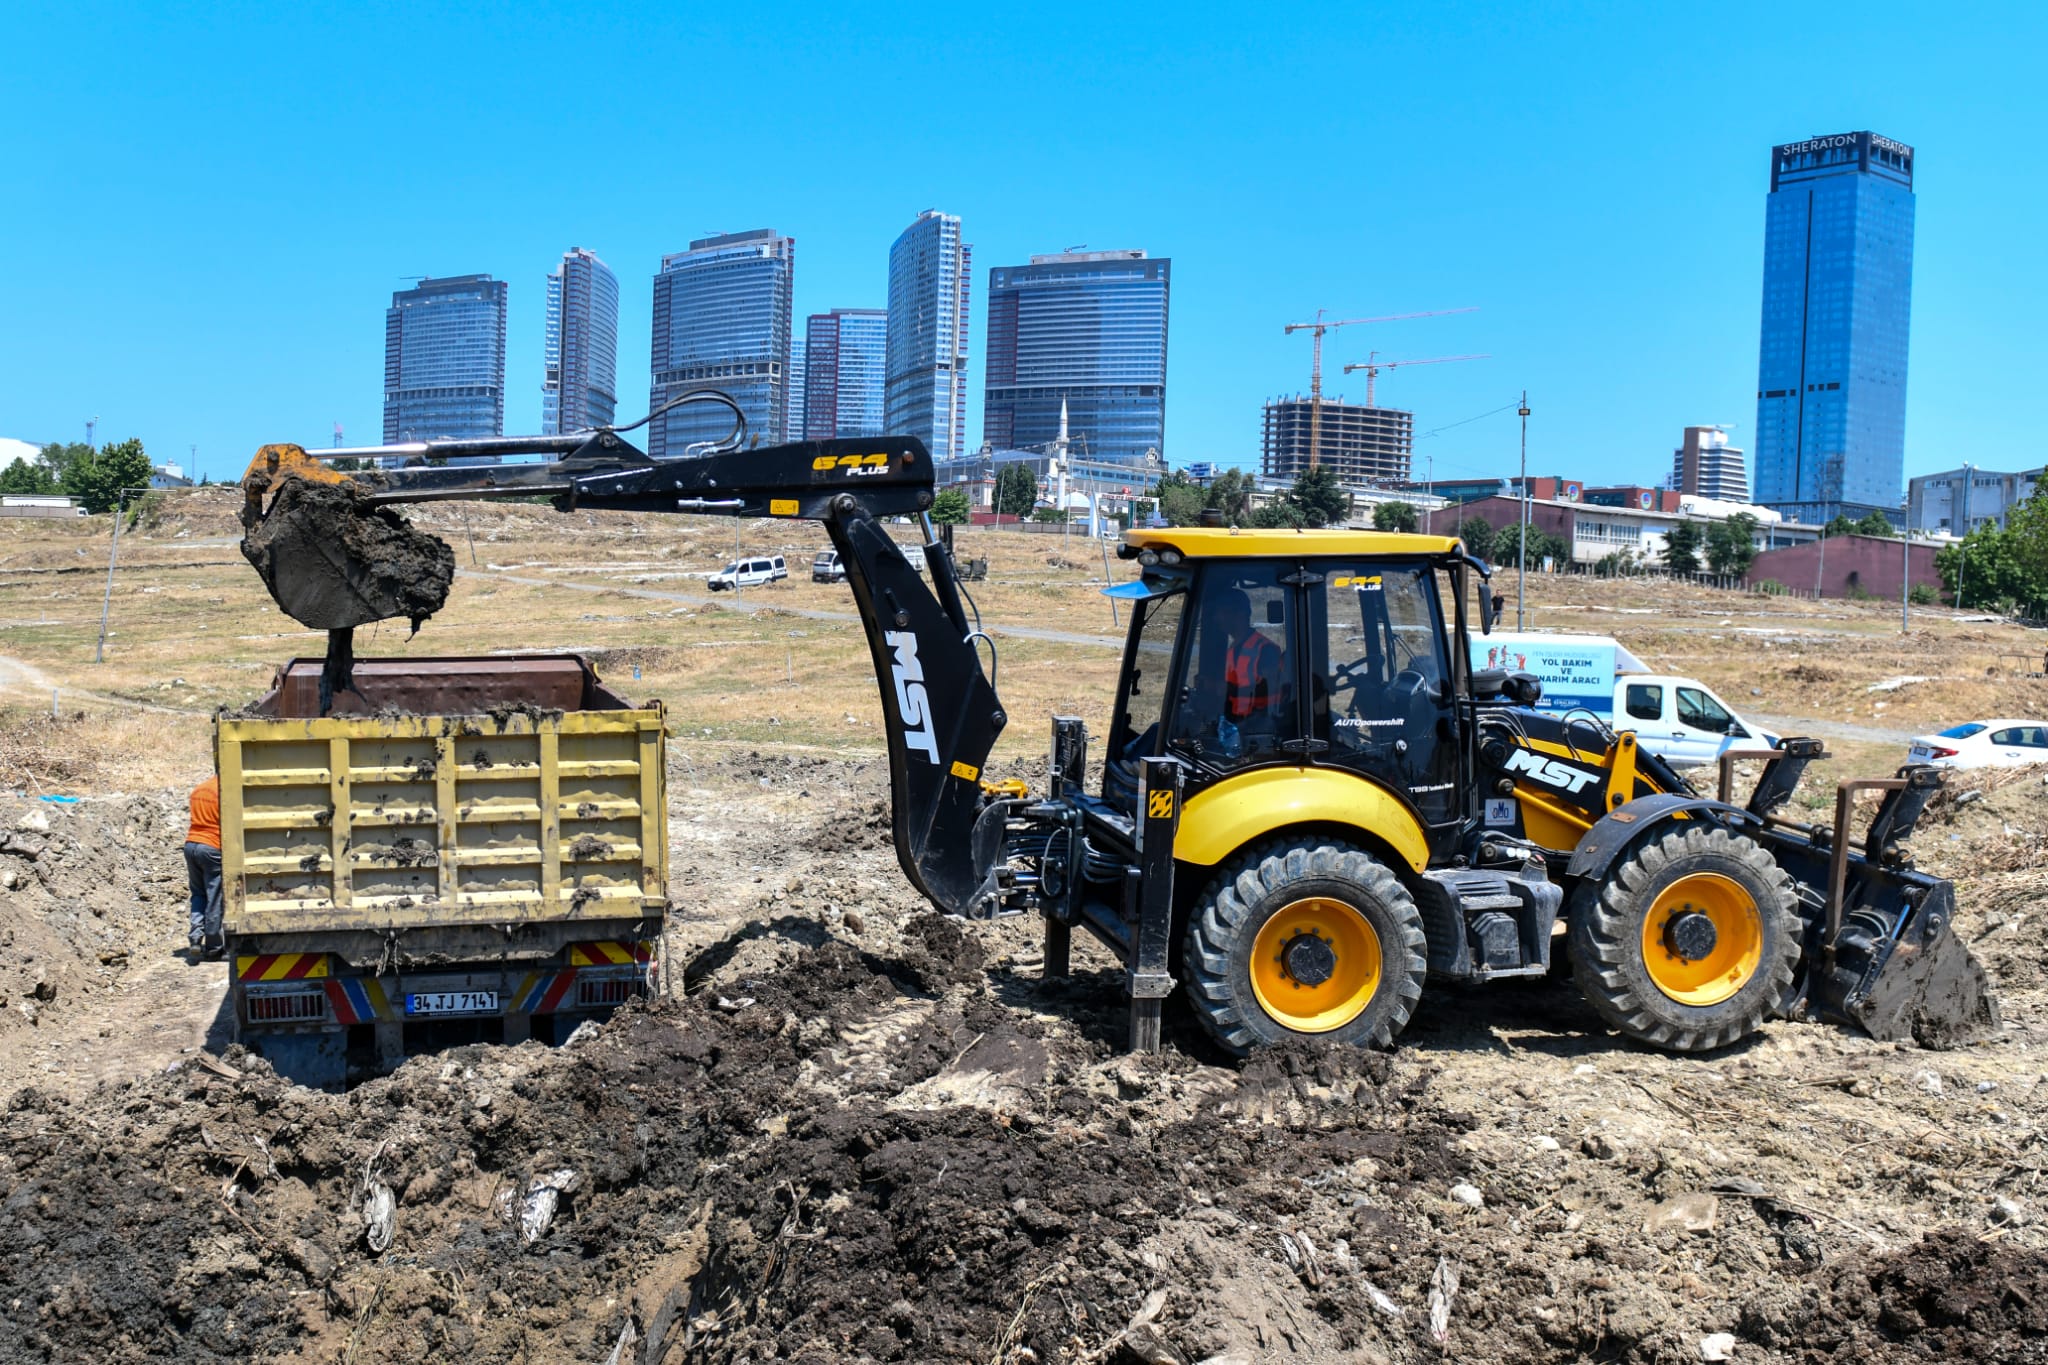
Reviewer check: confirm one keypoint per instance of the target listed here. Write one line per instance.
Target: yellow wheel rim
(1315, 965)
(1676, 950)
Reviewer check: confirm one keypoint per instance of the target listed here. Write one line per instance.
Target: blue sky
(210, 205)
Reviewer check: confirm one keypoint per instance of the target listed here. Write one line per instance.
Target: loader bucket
(331, 559)
(1903, 974)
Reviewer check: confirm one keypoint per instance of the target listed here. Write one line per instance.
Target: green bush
(1771, 587)
(1921, 595)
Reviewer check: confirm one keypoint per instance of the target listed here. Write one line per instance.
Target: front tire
(1304, 939)
(1690, 941)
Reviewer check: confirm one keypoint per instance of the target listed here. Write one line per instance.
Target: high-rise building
(1706, 466)
(722, 321)
(444, 360)
(1838, 286)
(1087, 330)
(1368, 447)
(845, 381)
(798, 386)
(580, 388)
(930, 284)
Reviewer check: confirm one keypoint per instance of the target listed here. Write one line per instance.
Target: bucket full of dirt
(334, 560)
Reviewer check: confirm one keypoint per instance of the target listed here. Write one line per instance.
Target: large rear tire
(1304, 939)
(1690, 942)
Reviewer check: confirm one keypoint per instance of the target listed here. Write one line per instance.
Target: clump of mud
(333, 562)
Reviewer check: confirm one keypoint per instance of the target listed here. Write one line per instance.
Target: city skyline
(931, 282)
(1837, 312)
(444, 360)
(580, 357)
(1078, 339)
(845, 373)
(1611, 234)
(722, 317)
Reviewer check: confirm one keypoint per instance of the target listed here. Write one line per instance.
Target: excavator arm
(326, 561)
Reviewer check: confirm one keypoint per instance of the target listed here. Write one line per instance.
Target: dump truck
(1311, 806)
(458, 850)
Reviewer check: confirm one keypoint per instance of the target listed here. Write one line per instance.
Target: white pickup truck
(1680, 720)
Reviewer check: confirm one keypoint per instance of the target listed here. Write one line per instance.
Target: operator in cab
(1240, 678)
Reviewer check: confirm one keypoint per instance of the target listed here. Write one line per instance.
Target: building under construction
(1368, 447)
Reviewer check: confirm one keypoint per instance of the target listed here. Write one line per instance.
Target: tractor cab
(1283, 650)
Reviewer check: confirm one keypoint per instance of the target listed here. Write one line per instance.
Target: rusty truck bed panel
(368, 823)
(444, 685)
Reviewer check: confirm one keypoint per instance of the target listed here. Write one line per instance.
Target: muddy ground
(854, 1131)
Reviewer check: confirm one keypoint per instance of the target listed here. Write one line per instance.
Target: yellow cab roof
(1216, 542)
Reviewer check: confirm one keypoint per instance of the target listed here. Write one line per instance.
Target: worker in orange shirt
(202, 871)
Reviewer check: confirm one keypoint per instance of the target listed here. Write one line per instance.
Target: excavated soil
(855, 1130)
(333, 562)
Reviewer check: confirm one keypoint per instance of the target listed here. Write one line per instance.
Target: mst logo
(913, 706)
(1549, 771)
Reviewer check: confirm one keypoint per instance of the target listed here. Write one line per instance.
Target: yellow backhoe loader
(1310, 808)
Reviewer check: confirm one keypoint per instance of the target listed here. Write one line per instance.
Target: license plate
(1919, 753)
(452, 1002)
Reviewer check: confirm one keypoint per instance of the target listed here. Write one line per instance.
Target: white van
(1680, 720)
(749, 573)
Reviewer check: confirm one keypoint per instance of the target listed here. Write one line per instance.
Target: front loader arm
(942, 713)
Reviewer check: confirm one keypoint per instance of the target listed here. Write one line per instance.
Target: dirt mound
(333, 562)
(82, 884)
(681, 1170)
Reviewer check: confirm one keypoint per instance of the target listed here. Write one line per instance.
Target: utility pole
(1522, 541)
(1964, 566)
(91, 424)
(1905, 567)
(99, 654)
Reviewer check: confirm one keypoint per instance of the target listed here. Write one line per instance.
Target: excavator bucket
(332, 559)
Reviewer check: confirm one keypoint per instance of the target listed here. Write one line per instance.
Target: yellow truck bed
(405, 822)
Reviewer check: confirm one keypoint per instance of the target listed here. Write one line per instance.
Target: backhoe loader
(1310, 804)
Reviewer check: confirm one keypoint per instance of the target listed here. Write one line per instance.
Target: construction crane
(1315, 373)
(1372, 367)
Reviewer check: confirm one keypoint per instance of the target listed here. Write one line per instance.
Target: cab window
(1237, 700)
(1143, 703)
(1702, 712)
(1645, 701)
(1381, 694)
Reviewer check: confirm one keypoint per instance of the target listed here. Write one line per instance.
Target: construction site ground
(852, 1130)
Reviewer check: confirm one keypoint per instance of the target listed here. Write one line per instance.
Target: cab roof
(1217, 542)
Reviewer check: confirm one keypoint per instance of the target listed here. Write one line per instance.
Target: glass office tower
(444, 360)
(722, 321)
(845, 359)
(930, 274)
(1838, 288)
(1084, 329)
(580, 387)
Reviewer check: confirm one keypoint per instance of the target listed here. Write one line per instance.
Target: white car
(1984, 744)
(749, 573)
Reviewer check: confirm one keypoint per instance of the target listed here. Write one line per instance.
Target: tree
(1506, 546)
(1231, 494)
(1731, 544)
(1179, 498)
(100, 479)
(1280, 513)
(1393, 516)
(22, 477)
(1999, 570)
(1874, 524)
(2027, 525)
(1016, 490)
(949, 508)
(1839, 526)
(1321, 500)
(1477, 533)
(1682, 548)
(59, 456)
